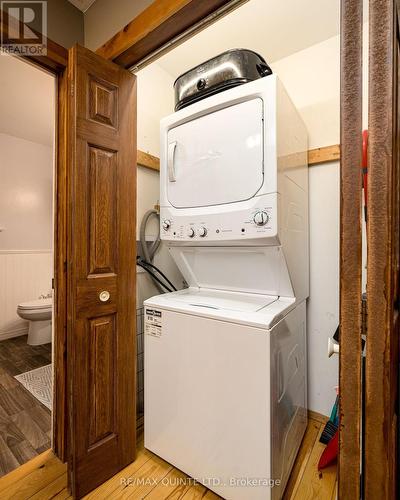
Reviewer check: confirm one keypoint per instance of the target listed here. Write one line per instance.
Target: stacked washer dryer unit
(225, 359)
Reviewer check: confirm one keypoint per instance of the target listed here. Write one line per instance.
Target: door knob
(104, 296)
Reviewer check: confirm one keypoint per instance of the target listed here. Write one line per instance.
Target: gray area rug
(39, 383)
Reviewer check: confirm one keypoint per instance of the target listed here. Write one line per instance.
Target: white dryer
(225, 359)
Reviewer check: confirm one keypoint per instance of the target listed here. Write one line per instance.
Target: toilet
(38, 313)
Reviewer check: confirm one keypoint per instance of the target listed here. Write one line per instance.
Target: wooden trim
(350, 249)
(59, 414)
(56, 58)
(381, 371)
(157, 25)
(316, 156)
(324, 155)
(147, 160)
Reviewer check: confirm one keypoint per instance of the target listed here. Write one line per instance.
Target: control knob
(261, 218)
(190, 232)
(202, 232)
(166, 224)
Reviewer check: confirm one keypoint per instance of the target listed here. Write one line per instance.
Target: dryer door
(217, 158)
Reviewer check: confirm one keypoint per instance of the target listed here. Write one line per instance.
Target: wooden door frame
(350, 249)
(382, 357)
(55, 62)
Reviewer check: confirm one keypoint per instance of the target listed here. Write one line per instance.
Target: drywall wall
(65, 23)
(155, 99)
(27, 101)
(106, 17)
(26, 194)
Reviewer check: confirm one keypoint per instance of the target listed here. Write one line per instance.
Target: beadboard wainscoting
(24, 276)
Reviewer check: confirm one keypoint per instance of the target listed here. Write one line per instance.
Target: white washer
(225, 363)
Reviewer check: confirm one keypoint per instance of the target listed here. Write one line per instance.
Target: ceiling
(273, 28)
(27, 100)
(82, 5)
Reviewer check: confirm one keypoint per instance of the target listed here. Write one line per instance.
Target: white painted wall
(26, 194)
(104, 18)
(26, 239)
(155, 99)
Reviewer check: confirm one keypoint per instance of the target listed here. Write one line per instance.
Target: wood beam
(315, 157)
(324, 155)
(147, 160)
(157, 25)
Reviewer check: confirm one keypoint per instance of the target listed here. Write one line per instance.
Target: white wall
(155, 99)
(26, 239)
(104, 18)
(26, 194)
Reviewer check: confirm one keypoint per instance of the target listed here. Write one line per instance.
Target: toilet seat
(36, 304)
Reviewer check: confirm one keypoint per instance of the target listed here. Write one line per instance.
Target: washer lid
(232, 301)
(36, 304)
(256, 310)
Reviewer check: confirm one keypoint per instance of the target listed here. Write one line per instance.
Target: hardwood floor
(25, 424)
(151, 478)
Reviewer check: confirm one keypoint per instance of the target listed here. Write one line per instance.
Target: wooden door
(101, 269)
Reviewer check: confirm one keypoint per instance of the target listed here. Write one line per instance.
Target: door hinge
(72, 89)
(52, 283)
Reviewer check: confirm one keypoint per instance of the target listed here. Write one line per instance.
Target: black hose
(145, 262)
(138, 263)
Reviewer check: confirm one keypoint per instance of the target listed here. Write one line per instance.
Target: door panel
(217, 158)
(102, 253)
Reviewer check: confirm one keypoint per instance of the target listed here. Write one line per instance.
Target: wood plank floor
(151, 478)
(25, 424)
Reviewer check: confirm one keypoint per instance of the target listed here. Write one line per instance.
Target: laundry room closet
(305, 55)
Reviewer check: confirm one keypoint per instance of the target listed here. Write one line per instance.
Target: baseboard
(17, 332)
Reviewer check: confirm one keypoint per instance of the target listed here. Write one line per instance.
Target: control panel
(257, 222)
